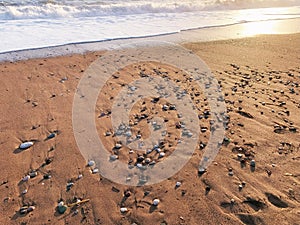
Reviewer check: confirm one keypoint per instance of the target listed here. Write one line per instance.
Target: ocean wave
(14, 10)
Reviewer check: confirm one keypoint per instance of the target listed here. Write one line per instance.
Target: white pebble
(156, 202)
(96, 170)
(123, 210)
(26, 145)
(178, 184)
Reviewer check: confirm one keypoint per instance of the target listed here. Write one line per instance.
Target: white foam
(33, 24)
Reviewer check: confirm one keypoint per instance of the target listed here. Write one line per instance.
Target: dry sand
(259, 78)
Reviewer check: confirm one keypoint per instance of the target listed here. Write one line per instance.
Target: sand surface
(259, 78)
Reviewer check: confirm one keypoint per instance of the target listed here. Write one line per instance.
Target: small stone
(123, 210)
(232, 201)
(69, 186)
(241, 187)
(165, 107)
(127, 194)
(61, 208)
(252, 163)
(91, 163)
(24, 192)
(161, 154)
(33, 174)
(52, 135)
(178, 184)
(113, 157)
(118, 146)
(156, 202)
(96, 170)
(26, 178)
(26, 145)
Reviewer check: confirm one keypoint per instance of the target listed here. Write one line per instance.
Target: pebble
(24, 192)
(79, 176)
(118, 146)
(161, 154)
(33, 174)
(26, 178)
(123, 210)
(178, 184)
(26, 209)
(61, 208)
(52, 135)
(96, 170)
(156, 202)
(69, 185)
(113, 157)
(91, 163)
(252, 163)
(26, 145)
(46, 177)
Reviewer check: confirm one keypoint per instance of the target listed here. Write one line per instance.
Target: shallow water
(32, 24)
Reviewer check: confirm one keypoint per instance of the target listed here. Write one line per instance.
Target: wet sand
(259, 77)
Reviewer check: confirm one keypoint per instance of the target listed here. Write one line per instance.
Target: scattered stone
(113, 157)
(26, 145)
(91, 163)
(123, 210)
(156, 202)
(252, 163)
(26, 178)
(26, 209)
(61, 208)
(96, 170)
(178, 184)
(118, 146)
(69, 186)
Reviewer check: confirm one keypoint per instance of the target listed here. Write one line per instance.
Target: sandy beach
(259, 77)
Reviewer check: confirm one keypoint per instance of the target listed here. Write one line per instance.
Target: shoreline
(205, 34)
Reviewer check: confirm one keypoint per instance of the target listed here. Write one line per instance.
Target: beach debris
(156, 202)
(78, 202)
(26, 209)
(123, 210)
(26, 145)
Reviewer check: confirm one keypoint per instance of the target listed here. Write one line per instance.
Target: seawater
(30, 24)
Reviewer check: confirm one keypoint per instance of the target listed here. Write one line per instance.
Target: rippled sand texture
(259, 78)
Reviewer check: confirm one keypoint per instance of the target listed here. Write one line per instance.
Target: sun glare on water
(264, 25)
